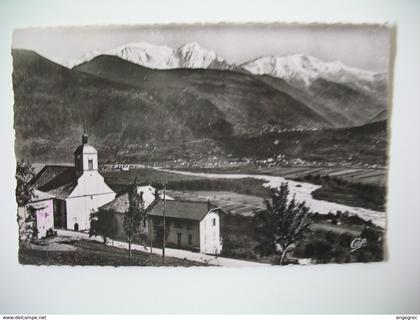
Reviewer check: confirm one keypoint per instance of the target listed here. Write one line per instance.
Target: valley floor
(240, 198)
(75, 250)
(351, 187)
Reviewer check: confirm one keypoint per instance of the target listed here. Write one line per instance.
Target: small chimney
(84, 138)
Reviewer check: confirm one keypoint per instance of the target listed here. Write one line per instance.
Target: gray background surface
(389, 287)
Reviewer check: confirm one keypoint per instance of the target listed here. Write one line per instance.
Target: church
(78, 190)
(69, 194)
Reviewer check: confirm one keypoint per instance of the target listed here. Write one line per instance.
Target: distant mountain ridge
(296, 67)
(343, 95)
(342, 104)
(123, 104)
(246, 102)
(135, 113)
(304, 68)
(304, 73)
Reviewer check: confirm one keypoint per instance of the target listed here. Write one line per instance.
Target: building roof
(57, 180)
(62, 192)
(121, 204)
(41, 196)
(38, 205)
(181, 209)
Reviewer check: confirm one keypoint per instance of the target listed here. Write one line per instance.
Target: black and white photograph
(228, 144)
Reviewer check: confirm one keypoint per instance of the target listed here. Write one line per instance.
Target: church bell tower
(85, 157)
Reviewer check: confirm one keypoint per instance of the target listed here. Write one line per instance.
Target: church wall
(79, 209)
(90, 183)
(90, 193)
(78, 212)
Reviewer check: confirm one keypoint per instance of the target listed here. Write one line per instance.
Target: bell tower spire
(84, 137)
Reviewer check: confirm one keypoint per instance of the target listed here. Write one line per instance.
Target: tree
(282, 224)
(103, 223)
(135, 217)
(24, 190)
(24, 194)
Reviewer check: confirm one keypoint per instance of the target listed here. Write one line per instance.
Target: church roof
(56, 180)
(85, 148)
(62, 192)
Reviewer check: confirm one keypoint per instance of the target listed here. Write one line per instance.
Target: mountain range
(343, 95)
(298, 68)
(141, 102)
(190, 55)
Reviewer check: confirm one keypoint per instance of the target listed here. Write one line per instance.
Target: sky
(361, 46)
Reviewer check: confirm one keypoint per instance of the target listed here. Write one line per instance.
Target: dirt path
(169, 252)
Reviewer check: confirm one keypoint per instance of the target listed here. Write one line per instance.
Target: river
(301, 190)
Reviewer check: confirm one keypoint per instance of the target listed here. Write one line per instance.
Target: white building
(149, 194)
(210, 239)
(190, 225)
(37, 216)
(79, 190)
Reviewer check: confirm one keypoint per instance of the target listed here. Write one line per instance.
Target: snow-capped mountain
(189, 55)
(147, 55)
(192, 56)
(304, 68)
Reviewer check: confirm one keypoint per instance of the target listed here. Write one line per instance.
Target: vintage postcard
(202, 144)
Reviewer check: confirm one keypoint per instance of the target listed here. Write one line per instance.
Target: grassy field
(357, 194)
(356, 175)
(347, 186)
(119, 180)
(68, 251)
(144, 176)
(245, 186)
(363, 175)
(358, 187)
(374, 176)
(231, 202)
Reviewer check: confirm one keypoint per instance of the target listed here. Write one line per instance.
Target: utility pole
(164, 224)
(150, 227)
